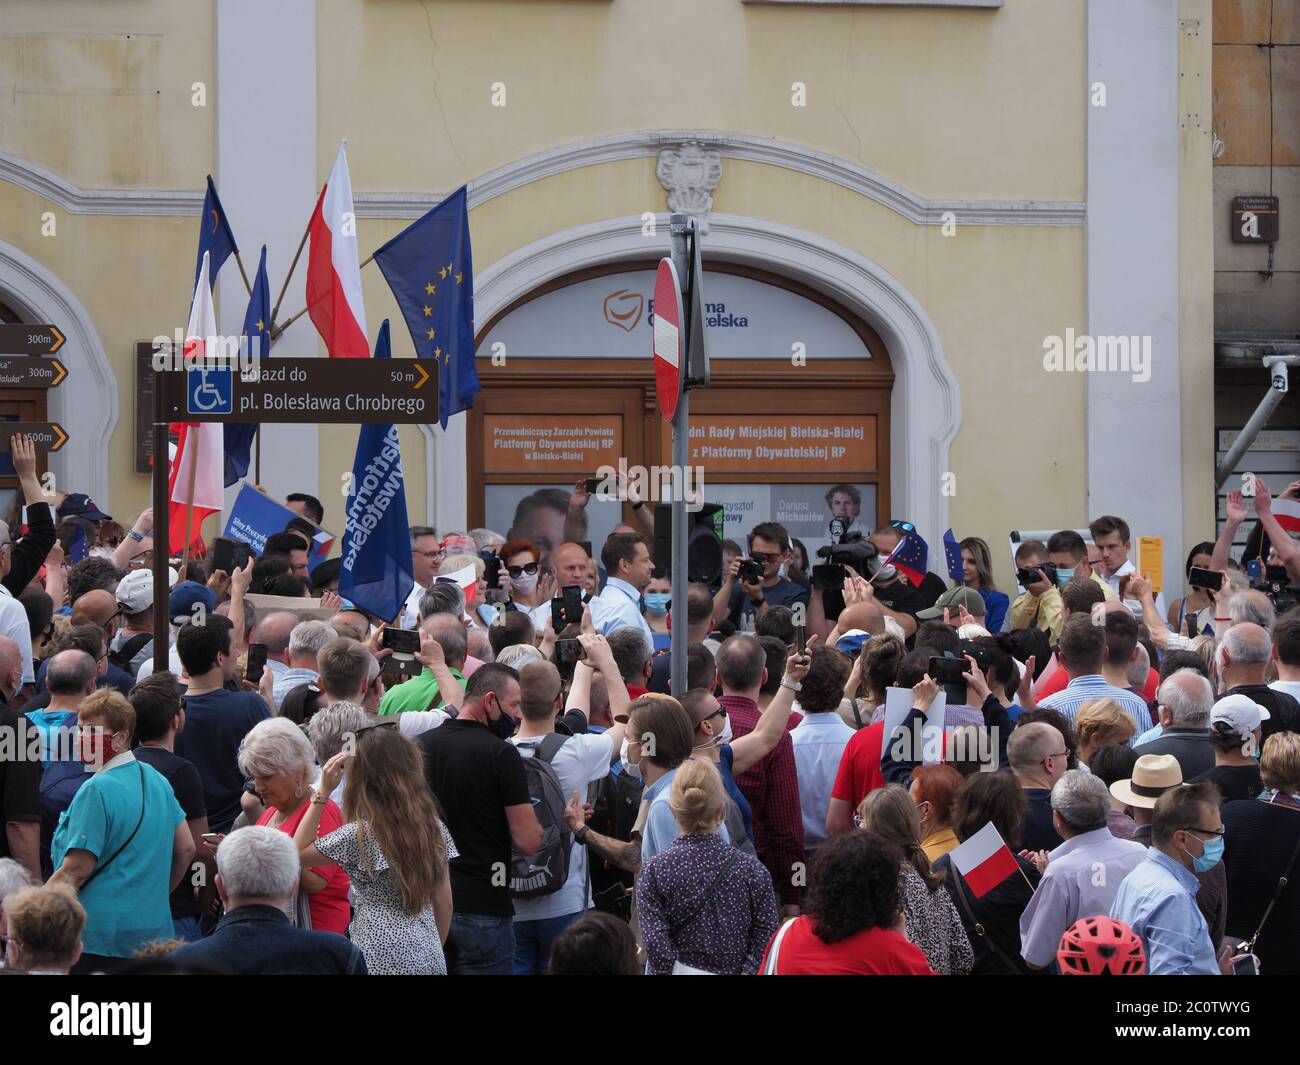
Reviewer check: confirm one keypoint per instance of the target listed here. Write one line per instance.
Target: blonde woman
(1101, 723)
(394, 848)
(703, 906)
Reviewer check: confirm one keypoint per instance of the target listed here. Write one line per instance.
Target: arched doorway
(799, 408)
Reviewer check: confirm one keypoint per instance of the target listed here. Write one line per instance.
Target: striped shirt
(1082, 690)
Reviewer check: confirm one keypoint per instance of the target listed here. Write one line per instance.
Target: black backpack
(123, 655)
(543, 873)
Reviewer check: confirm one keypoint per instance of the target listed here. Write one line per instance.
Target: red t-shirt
(860, 765)
(871, 952)
(1060, 679)
(330, 910)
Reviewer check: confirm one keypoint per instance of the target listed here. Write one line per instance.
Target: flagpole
(243, 273)
(189, 505)
(292, 267)
(278, 330)
(257, 442)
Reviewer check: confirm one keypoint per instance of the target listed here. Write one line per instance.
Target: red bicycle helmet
(1101, 946)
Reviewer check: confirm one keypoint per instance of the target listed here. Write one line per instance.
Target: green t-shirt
(418, 693)
(127, 904)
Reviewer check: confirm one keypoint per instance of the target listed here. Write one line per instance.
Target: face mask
(725, 735)
(1211, 857)
(502, 727)
(657, 602)
(1063, 577)
(632, 769)
(525, 585)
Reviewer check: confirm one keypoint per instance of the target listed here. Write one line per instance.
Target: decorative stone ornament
(689, 174)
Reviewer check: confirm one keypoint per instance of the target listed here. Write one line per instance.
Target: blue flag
(952, 550)
(431, 272)
(257, 328)
(911, 558)
(376, 571)
(77, 549)
(215, 237)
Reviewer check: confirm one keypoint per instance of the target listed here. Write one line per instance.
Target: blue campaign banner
(254, 517)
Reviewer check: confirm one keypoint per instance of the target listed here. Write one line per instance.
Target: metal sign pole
(681, 456)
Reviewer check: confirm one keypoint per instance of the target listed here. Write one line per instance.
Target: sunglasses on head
(905, 526)
(517, 571)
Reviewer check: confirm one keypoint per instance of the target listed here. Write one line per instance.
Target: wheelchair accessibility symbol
(210, 391)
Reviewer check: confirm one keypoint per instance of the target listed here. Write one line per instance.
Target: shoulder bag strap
(960, 891)
(1277, 894)
(857, 714)
(101, 866)
(706, 894)
(774, 951)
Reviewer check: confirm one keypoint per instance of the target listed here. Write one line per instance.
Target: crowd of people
(882, 775)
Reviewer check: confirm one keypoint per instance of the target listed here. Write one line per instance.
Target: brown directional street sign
(23, 371)
(47, 436)
(21, 339)
(305, 390)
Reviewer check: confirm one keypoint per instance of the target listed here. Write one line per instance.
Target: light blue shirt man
(290, 679)
(1158, 901)
(819, 741)
(1082, 878)
(618, 605)
(1082, 690)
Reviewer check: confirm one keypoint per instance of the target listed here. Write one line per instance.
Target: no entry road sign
(668, 338)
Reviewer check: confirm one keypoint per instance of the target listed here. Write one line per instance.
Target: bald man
(1038, 758)
(1242, 659)
(99, 607)
(273, 630)
(569, 564)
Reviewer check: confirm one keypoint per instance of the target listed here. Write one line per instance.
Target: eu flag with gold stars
(257, 329)
(431, 272)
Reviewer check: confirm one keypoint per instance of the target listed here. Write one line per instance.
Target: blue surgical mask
(1211, 857)
(1063, 577)
(657, 602)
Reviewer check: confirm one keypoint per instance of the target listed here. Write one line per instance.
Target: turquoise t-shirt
(127, 903)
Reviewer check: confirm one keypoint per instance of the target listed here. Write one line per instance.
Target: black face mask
(503, 726)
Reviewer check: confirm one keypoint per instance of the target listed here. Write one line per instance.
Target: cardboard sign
(1151, 561)
(305, 609)
(898, 702)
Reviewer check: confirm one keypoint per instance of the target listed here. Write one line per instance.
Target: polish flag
(984, 861)
(333, 268)
(199, 457)
(1287, 512)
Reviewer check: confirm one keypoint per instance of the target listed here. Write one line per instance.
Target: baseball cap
(1240, 713)
(135, 591)
(953, 600)
(180, 603)
(851, 642)
(80, 505)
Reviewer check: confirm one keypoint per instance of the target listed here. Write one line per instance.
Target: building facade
(918, 216)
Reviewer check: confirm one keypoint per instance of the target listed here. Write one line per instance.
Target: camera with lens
(851, 549)
(750, 572)
(1279, 588)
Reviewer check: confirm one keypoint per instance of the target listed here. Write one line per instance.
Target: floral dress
(394, 943)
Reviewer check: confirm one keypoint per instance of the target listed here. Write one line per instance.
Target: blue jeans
(533, 941)
(479, 945)
(187, 928)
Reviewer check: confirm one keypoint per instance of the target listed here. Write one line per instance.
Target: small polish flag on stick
(984, 860)
(1287, 512)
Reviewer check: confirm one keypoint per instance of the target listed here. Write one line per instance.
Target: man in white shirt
(578, 762)
(1110, 535)
(426, 555)
(13, 623)
(629, 566)
(819, 740)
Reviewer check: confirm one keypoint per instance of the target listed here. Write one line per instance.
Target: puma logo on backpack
(545, 872)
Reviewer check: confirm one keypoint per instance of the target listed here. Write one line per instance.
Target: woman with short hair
(933, 789)
(933, 923)
(393, 847)
(854, 920)
(522, 577)
(703, 906)
(1261, 840)
(282, 765)
(122, 843)
(1100, 723)
(44, 930)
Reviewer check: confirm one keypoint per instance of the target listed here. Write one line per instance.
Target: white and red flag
(984, 860)
(197, 469)
(1287, 512)
(334, 270)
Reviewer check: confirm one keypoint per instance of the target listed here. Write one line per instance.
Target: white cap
(1239, 712)
(135, 591)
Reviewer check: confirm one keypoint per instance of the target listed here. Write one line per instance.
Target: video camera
(849, 549)
(1283, 593)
